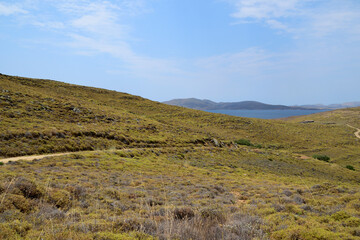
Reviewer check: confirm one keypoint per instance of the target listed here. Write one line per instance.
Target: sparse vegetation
(161, 172)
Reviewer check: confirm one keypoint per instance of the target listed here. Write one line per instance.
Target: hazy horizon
(272, 51)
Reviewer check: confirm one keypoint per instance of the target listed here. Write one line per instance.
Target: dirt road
(31, 158)
(357, 133)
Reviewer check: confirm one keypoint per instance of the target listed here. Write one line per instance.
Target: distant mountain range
(249, 105)
(332, 106)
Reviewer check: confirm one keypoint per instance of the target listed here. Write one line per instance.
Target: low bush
(213, 214)
(350, 167)
(244, 142)
(60, 198)
(183, 213)
(28, 188)
(321, 157)
(13, 201)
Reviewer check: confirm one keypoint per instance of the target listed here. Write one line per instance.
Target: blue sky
(274, 51)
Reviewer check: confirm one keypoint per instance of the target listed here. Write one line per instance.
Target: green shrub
(244, 142)
(1, 163)
(60, 198)
(350, 167)
(13, 201)
(341, 215)
(352, 222)
(321, 157)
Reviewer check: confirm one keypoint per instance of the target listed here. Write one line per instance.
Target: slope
(154, 171)
(64, 117)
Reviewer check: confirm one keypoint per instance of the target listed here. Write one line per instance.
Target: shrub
(244, 142)
(13, 201)
(183, 213)
(28, 188)
(352, 222)
(341, 215)
(60, 198)
(350, 167)
(124, 236)
(14, 230)
(321, 157)
(1, 163)
(213, 215)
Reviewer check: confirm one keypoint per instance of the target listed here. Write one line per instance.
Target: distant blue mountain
(210, 105)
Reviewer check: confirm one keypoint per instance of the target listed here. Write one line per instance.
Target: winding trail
(32, 157)
(38, 157)
(357, 133)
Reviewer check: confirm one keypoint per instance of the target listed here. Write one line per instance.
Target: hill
(210, 105)
(333, 106)
(138, 169)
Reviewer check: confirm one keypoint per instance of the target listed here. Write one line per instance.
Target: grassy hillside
(64, 117)
(342, 116)
(146, 170)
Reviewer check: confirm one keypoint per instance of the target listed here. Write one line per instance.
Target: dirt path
(357, 133)
(33, 157)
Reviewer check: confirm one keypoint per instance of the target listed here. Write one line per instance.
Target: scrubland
(144, 170)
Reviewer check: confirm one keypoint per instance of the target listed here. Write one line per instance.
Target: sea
(266, 114)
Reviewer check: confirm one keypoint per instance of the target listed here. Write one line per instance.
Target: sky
(275, 51)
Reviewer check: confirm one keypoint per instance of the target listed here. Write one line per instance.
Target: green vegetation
(145, 170)
(321, 157)
(244, 142)
(350, 167)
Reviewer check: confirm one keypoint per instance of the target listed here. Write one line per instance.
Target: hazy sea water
(266, 114)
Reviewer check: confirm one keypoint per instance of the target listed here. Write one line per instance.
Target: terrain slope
(98, 164)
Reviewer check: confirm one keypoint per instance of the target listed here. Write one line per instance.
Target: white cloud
(306, 18)
(265, 9)
(91, 27)
(101, 20)
(341, 20)
(8, 9)
(96, 28)
(249, 62)
(277, 25)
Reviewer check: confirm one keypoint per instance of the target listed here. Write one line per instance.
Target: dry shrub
(356, 232)
(183, 213)
(28, 188)
(211, 214)
(2, 189)
(47, 211)
(153, 202)
(59, 198)
(13, 201)
(128, 225)
(77, 192)
(208, 224)
(10, 215)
